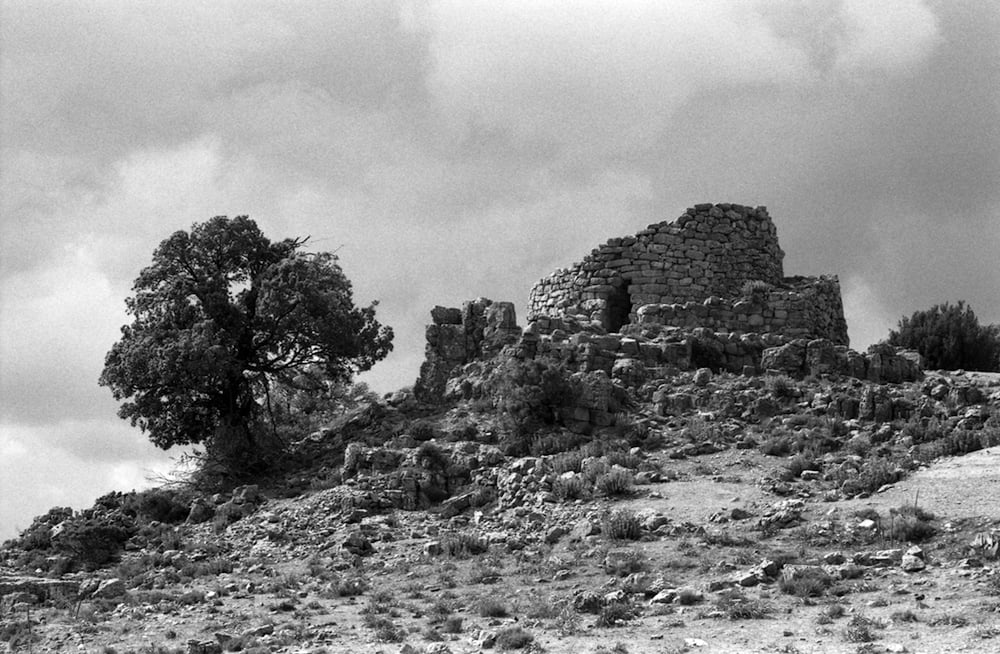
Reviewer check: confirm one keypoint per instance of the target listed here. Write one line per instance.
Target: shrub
(431, 457)
(735, 605)
(92, 542)
(911, 524)
(803, 461)
(158, 504)
(781, 386)
(621, 525)
(513, 638)
(570, 488)
(386, 631)
(489, 607)
(874, 474)
(949, 337)
(422, 430)
(777, 445)
(755, 289)
(958, 442)
(616, 482)
(530, 394)
(567, 462)
(463, 544)
(614, 614)
(806, 582)
(860, 629)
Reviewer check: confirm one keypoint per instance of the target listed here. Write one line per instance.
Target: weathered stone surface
(788, 358)
(40, 587)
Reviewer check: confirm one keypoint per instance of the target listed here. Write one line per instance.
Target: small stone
(665, 596)
(702, 376)
(553, 535)
(911, 563)
(695, 642)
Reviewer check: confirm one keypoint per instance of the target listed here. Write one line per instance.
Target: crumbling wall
(710, 250)
(457, 336)
(802, 308)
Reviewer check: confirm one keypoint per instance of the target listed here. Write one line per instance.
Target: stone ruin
(717, 266)
(706, 290)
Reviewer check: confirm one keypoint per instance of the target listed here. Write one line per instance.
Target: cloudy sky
(449, 150)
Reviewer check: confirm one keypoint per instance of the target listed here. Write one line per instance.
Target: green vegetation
(950, 337)
(222, 319)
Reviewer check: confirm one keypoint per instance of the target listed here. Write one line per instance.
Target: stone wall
(457, 336)
(710, 250)
(801, 308)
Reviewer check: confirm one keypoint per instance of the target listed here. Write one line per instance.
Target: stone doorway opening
(619, 306)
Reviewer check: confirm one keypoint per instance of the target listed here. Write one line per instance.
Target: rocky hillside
(719, 513)
(678, 453)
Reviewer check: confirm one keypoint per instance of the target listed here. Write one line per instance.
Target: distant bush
(92, 542)
(159, 504)
(960, 441)
(950, 337)
(530, 395)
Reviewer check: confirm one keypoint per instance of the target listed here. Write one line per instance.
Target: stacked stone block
(807, 308)
(457, 336)
(710, 250)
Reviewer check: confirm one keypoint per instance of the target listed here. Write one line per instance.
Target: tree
(950, 337)
(221, 317)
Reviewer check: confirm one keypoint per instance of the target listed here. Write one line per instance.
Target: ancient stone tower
(716, 266)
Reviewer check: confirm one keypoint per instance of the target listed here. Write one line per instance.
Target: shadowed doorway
(619, 307)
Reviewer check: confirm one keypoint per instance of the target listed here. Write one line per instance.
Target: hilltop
(678, 452)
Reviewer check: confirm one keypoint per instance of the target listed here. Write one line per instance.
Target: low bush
(806, 582)
(513, 638)
(911, 524)
(735, 605)
(614, 614)
(570, 488)
(463, 544)
(861, 629)
(490, 607)
(615, 483)
(159, 504)
(621, 525)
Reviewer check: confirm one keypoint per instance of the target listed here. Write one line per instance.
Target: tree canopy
(950, 337)
(222, 315)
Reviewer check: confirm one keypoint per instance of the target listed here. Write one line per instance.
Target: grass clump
(912, 524)
(861, 630)
(614, 614)
(805, 582)
(489, 607)
(463, 545)
(621, 524)
(615, 483)
(735, 605)
(513, 638)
